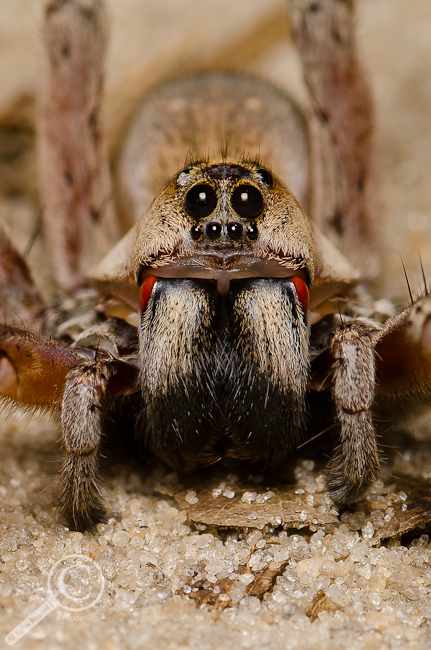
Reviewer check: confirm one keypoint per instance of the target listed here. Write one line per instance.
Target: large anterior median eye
(200, 201)
(247, 201)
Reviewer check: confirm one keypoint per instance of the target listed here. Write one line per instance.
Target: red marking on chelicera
(301, 290)
(145, 291)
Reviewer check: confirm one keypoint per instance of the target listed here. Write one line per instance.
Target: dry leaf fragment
(321, 603)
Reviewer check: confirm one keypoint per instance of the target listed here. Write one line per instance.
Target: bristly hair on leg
(407, 281)
(321, 433)
(426, 290)
(34, 235)
(340, 314)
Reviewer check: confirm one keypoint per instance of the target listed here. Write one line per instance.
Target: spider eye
(247, 201)
(266, 176)
(200, 201)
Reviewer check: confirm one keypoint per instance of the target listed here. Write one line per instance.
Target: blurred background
(155, 41)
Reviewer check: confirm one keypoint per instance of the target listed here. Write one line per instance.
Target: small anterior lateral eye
(247, 201)
(301, 291)
(200, 201)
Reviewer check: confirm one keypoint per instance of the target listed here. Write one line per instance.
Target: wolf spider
(227, 322)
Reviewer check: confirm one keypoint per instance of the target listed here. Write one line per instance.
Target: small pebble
(191, 498)
(248, 497)
(120, 538)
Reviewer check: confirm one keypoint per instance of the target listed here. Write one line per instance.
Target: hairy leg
(76, 190)
(80, 498)
(20, 301)
(85, 405)
(41, 374)
(344, 151)
(33, 372)
(355, 465)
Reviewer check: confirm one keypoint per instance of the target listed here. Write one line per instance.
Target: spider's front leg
(86, 403)
(33, 372)
(48, 375)
(355, 465)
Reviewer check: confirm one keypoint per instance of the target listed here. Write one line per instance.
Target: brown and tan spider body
(233, 318)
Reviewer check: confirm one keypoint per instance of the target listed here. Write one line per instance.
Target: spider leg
(33, 372)
(76, 192)
(355, 464)
(49, 375)
(85, 404)
(19, 298)
(403, 352)
(343, 146)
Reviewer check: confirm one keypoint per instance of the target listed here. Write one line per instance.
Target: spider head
(223, 259)
(225, 222)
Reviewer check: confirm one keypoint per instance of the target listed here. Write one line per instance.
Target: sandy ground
(168, 574)
(218, 561)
